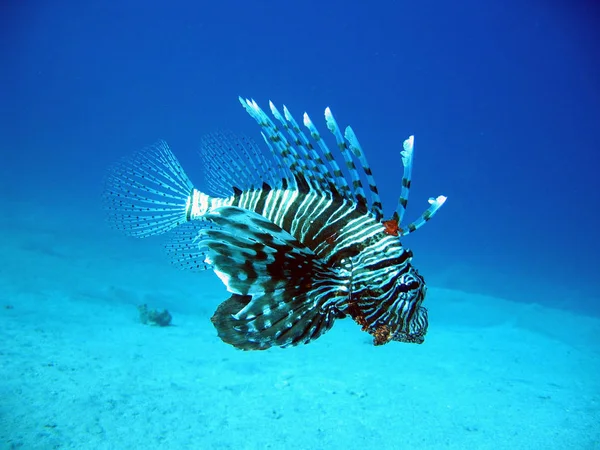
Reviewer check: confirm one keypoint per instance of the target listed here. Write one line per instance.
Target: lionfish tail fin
(148, 193)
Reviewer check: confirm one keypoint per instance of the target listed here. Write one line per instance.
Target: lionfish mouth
(409, 338)
(418, 329)
(384, 334)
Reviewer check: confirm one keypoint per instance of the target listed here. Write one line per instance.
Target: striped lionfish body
(297, 244)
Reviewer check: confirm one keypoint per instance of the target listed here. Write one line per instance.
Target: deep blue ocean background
(503, 98)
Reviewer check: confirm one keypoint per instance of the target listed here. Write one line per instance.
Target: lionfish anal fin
(283, 294)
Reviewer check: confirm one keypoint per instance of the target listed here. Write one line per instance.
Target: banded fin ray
(434, 203)
(317, 166)
(357, 151)
(275, 140)
(283, 294)
(407, 163)
(313, 168)
(358, 191)
(342, 184)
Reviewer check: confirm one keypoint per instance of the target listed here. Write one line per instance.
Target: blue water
(504, 100)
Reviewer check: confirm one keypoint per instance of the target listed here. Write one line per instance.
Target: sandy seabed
(79, 370)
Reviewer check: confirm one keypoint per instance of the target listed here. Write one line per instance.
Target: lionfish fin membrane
(147, 193)
(236, 162)
(183, 249)
(283, 294)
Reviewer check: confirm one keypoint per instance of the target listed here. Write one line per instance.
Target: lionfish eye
(411, 286)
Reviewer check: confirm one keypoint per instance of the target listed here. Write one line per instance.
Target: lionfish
(292, 236)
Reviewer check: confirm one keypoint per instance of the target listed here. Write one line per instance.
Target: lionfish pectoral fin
(182, 246)
(224, 321)
(283, 294)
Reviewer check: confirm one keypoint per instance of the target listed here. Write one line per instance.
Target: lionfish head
(409, 323)
(392, 311)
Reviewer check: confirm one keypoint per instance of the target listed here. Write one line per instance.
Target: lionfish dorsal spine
(312, 167)
(274, 139)
(286, 179)
(340, 181)
(434, 203)
(329, 181)
(355, 147)
(407, 162)
(358, 192)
